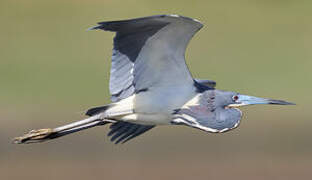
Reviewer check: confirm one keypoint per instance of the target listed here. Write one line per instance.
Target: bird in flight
(151, 85)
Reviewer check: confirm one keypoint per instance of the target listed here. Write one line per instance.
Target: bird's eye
(235, 98)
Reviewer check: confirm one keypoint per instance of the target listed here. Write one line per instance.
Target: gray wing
(125, 131)
(149, 52)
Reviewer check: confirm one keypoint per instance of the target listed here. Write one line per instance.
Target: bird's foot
(33, 136)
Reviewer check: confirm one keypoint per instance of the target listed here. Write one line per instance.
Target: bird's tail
(41, 135)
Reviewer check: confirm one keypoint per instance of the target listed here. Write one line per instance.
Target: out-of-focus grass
(51, 70)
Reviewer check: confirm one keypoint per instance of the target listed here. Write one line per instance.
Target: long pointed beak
(250, 100)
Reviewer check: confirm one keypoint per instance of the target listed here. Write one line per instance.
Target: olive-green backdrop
(52, 70)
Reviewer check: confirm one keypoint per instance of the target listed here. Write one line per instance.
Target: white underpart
(194, 101)
(196, 20)
(120, 108)
(174, 15)
(153, 107)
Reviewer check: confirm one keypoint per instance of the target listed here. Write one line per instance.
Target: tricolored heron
(150, 85)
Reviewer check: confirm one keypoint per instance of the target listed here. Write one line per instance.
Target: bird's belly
(148, 119)
(153, 107)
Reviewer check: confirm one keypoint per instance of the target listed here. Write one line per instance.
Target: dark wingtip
(99, 26)
(116, 26)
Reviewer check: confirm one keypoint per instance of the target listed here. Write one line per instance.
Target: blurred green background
(52, 70)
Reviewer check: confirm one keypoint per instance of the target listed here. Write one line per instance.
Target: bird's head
(228, 99)
(215, 110)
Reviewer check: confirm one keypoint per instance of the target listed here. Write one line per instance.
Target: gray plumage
(137, 42)
(130, 74)
(209, 114)
(150, 85)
